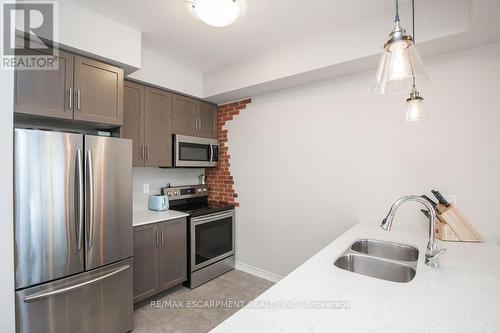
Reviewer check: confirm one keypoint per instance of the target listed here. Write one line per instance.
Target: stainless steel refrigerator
(73, 232)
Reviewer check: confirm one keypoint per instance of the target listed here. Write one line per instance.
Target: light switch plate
(145, 188)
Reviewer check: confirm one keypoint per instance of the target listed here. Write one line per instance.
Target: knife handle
(440, 198)
(426, 213)
(432, 202)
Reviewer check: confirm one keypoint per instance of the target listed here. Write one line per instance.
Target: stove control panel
(185, 192)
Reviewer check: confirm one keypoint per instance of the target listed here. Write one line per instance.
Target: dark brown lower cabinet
(145, 261)
(172, 254)
(160, 257)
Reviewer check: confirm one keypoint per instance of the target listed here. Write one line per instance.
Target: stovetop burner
(202, 208)
(193, 200)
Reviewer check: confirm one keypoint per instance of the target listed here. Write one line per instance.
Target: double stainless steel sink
(380, 259)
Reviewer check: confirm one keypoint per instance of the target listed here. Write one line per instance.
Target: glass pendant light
(415, 110)
(400, 62)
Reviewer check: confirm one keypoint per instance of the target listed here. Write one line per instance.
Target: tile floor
(172, 313)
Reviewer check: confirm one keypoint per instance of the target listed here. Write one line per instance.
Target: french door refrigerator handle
(81, 202)
(64, 290)
(90, 204)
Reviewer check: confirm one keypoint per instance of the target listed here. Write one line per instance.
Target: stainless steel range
(211, 232)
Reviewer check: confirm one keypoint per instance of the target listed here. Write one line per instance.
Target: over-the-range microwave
(191, 151)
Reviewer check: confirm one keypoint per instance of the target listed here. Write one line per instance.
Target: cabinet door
(46, 92)
(184, 116)
(158, 128)
(99, 92)
(133, 120)
(172, 253)
(207, 123)
(146, 241)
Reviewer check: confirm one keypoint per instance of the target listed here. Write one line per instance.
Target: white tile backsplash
(158, 178)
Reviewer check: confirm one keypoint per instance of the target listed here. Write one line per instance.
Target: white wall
(321, 51)
(7, 319)
(325, 155)
(158, 178)
(84, 30)
(168, 73)
(87, 32)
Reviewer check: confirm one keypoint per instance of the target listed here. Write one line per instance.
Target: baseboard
(257, 272)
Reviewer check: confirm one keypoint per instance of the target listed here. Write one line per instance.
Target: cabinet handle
(157, 239)
(147, 152)
(70, 98)
(142, 152)
(78, 99)
(162, 238)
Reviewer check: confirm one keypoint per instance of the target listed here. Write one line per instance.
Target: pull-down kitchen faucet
(432, 252)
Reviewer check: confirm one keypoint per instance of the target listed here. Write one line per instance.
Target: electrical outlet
(145, 188)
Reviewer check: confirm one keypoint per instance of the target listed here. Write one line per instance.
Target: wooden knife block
(444, 232)
(452, 225)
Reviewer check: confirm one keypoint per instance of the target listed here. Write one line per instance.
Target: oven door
(190, 151)
(212, 238)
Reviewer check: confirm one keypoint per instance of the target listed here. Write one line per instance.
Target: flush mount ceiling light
(217, 13)
(400, 63)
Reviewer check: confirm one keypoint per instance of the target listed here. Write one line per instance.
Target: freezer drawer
(93, 302)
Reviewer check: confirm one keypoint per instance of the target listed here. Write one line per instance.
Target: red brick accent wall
(219, 179)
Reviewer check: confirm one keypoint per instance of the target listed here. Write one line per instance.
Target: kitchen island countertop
(460, 296)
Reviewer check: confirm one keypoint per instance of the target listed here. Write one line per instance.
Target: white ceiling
(170, 28)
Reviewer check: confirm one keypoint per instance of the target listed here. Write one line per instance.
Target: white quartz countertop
(463, 295)
(149, 216)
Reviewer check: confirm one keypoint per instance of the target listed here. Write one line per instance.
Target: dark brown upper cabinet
(99, 92)
(158, 128)
(133, 120)
(160, 257)
(184, 120)
(194, 117)
(148, 122)
(80, 89)
(207, 120)
(46, 92)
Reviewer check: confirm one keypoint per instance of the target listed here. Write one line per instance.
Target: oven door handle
(211, 218)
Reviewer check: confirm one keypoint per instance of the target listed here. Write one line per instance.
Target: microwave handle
(211, 152)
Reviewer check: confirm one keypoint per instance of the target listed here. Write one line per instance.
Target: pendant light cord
(413, 19)
(396, 18)
(413, 33)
